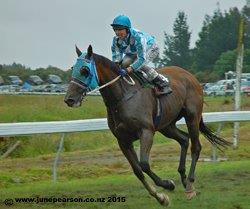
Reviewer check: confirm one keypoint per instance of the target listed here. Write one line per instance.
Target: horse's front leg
(129, 152)
(146, 139)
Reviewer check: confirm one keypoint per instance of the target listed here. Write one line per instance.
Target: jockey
(133, 50)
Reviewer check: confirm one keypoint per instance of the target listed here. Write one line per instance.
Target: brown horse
(131, 112)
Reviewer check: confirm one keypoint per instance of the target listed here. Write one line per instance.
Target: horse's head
(84, 78)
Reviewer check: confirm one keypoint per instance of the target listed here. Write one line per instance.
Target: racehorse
(131, 113)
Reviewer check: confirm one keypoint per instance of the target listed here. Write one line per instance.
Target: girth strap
(157, 117)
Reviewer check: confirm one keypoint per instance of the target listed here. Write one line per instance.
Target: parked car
(247, 91)
(220, 91)
(221, 82)
(57, 88)
(211, 91)
(64, 87)
(26, 87)
(14, 80)
(245, 86)
(216, 90)
(48, 88)
(6, 88)
(207, 85)
(42, 88)
(54, 79)
(10, 88)
(35, 80)
(225, 82)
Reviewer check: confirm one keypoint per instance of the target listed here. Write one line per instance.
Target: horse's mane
(106, 62)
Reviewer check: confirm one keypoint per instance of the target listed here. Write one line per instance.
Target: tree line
(24, 72)
(215, 50)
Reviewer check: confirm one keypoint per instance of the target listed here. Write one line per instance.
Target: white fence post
(57, 158)
(236, 134)
(214, 156)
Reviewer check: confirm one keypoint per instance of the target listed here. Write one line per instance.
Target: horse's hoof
(169, 185)
(163, 199)
(190, 194)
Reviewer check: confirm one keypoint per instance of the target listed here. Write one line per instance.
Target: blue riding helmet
(121, 21)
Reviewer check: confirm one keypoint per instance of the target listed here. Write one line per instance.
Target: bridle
(84, 86)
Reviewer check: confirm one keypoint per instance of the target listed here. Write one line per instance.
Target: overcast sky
(38, 33)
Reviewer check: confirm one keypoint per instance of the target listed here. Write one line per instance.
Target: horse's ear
(90, 51)
(78, 51)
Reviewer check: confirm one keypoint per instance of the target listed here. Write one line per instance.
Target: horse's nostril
(69, 102)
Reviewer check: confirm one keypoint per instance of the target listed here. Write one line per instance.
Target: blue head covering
(91, 80)
(121, 20)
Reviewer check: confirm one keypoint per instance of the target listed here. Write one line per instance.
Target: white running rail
(28, 128)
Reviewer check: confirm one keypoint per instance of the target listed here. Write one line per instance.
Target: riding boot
(162, 84)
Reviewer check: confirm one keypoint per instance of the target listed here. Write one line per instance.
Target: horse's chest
(130, 119)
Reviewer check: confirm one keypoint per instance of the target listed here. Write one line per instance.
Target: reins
(131, 82)
(105, 85)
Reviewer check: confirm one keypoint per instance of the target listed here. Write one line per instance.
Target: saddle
(142, 80)
(145, 83)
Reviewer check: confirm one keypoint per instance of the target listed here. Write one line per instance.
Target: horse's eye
(84, 72)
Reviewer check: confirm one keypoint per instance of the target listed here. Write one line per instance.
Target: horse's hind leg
(129, 152)
(146, 139)
(193, 129)
(183, 139)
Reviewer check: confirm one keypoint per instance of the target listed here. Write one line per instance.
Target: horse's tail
(212, 137)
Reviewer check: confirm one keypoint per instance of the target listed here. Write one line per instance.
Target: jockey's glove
(122, 72)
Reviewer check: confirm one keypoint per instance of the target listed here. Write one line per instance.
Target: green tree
(44, 72)
(157, 61)
(24, 72)
(219, 34)
(246, 61)
(246, 15)
(207, 76)
(176, 47)
(227, 62)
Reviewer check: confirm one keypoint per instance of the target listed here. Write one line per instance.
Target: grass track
(222, 185)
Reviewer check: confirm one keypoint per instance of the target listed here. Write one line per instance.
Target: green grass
(222, 185)
(92, 165)
(28, 108)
